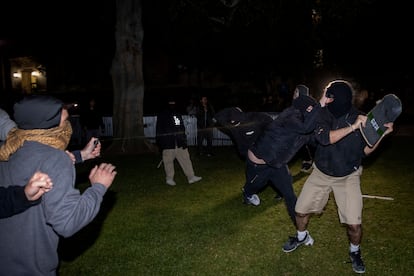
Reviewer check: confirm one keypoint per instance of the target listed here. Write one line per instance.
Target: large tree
(128, 81)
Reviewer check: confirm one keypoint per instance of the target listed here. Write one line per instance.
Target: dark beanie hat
(303, 102)
(38, 112)
(302, 89)
(341, 92)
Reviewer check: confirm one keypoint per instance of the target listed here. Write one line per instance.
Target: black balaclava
(303, 102)
(341, 92)
(302, 89)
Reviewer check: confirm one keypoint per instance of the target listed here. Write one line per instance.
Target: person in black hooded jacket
(337, 169)
(172, 141)
(275, 147)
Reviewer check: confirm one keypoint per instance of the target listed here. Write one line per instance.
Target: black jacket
(343, 157)
(205, 117)
(242, 127)
(170, 130)
(283, 137)
(13, 200)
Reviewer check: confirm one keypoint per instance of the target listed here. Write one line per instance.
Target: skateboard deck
(385, 111)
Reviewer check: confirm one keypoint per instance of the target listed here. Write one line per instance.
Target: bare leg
(302, 221)
(354, 232)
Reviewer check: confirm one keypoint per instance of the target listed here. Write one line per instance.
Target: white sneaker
(194, 179)
(254, 199)
(170, 182)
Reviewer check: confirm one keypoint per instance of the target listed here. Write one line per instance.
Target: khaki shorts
(347, 192)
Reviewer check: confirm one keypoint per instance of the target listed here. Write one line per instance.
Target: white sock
(353, 248)
(302, 234)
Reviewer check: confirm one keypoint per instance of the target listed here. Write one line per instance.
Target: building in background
(27, 75)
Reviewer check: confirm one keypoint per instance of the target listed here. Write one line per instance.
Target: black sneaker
(294, 243)
(306, 166)
(278, 197)
(357, 263)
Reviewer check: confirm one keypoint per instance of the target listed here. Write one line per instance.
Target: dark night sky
(81, 33)
(76, 24)
(87, 29)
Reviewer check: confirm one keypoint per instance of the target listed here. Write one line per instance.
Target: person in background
(337, 168)
(38, 144)
(307, 151)
(91, 121)
(205, 126)
(192, 108)
(171, 138)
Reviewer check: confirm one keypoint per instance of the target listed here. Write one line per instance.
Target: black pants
(258, 176)
(206, 134)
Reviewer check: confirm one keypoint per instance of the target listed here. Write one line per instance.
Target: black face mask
(302, 103)
(341, 93)
(338, 108)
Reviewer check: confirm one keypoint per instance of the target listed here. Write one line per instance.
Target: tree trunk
(128, 81)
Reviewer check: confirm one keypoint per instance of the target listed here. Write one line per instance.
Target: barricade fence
(150, 122)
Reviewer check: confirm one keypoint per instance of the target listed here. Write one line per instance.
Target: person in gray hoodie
(29, 240)
(16, 199)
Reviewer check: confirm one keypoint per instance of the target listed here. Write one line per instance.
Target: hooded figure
(341, 92)
(283, 137)
(300, 89)
(242, 127)
(269, 155)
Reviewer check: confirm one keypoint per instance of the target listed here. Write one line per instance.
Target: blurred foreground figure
(29, 240)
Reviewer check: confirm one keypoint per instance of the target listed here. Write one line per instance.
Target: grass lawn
(146, 227)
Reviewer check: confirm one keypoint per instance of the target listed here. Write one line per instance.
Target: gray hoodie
(6, 124)
(29, 240)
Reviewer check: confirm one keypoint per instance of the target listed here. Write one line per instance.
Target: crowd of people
(37, 190)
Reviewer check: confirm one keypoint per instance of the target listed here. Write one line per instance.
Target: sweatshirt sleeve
(6, 124)
(66, 209)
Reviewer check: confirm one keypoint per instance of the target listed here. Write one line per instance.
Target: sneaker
(170, 182)
(306, 166)
(294, 243)
(194, 179)
(278, 197)
(251, 200)
(357, 263)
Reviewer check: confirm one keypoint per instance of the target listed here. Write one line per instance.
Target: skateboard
(385, 111)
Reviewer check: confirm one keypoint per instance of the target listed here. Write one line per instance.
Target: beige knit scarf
(57, 137)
